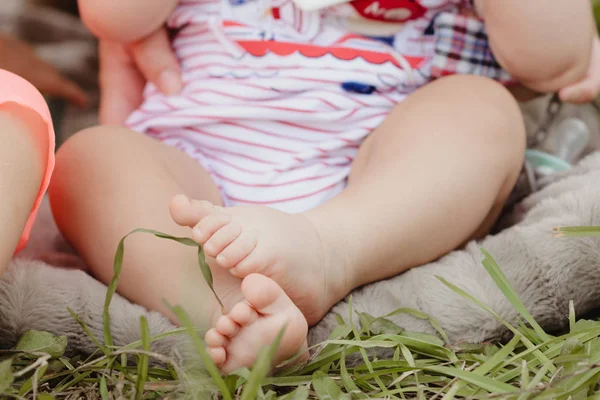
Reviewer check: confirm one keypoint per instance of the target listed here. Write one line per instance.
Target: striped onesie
(277, 98)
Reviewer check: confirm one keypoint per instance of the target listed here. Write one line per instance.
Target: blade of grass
(361, 349)
(326, 357)
(395, 378)
(498, 358)
(326, 388)
(261, 368)
(88, 332)
(112, 289)
(6, 375)
(142, 368)
(525, 341)
(570, 386)
(71, 383)
(347, 381)
(554, 348)
(509, 292)
(410, 360)
(301, 393)
(172, 332)
(524, 374)
(539, 376)
(572, 317)
(199, 346)
(576, 231)
(483, 382)
(419, 315)
(104, 389)
(118, 267)
(32, 382)
(415, 344)
(288, 381)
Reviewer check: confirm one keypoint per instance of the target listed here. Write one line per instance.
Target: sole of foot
(237, 337)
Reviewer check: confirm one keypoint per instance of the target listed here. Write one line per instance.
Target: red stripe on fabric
(284, 200)
(180, 45)
(278, 97)
(310, 128)
(295, 139)
(190, 32)
(271, 185)
(230, 164)
(239, 141)
(175, 136)
(205, 53)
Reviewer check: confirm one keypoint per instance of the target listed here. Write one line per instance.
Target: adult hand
(19, 58)
(125, 70)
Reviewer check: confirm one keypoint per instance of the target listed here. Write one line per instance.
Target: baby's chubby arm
(125, 21)
(547, 46)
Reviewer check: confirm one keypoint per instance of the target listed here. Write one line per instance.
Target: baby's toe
(254, 262)
(218, 355)
(209, 225)
(265, 295)
(214, 339)
(227, 326)
(237, 251)
(222, 238)
(243, 314)
(186, 212)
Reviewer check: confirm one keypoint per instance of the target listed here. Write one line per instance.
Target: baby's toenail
(197, 234)
(183, 198)
(221, 259)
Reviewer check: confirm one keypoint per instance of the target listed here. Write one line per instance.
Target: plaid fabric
(461, 47)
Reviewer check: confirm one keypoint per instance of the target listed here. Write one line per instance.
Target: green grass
(534, 364)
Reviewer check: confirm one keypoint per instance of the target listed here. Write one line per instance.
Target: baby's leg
(23, 160)
(109, 181)
(436, 173)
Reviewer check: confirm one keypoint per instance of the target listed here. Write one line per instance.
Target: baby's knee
(503, 127)
(84, 160)
(487, 104)
(480, 95)
(95, 146)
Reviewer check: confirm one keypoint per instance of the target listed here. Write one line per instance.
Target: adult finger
(582, 92)
(51, 82)
(121, 84)
(156, 60)
(20, 58)
(588, 88)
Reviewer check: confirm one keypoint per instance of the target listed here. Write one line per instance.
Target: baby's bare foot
(253, 324)
(285, 247)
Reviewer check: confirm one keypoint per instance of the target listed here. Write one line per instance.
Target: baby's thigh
(109, 181)
(472, 116)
